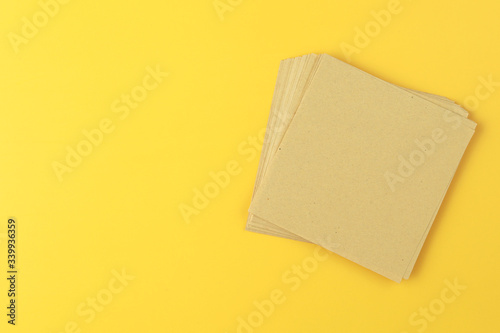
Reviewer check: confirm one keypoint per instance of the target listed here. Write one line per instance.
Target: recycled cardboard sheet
(289, 181)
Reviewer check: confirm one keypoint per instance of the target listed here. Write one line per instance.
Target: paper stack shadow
(355, 164)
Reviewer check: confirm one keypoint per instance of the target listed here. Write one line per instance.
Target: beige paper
(383, 91)
(259, 225)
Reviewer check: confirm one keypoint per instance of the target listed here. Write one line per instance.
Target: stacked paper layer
(355, 164)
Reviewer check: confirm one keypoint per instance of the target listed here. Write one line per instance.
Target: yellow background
(119, 209)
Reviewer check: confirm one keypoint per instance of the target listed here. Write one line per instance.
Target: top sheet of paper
(338, 179)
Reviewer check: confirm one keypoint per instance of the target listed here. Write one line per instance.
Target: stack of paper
(354, 164)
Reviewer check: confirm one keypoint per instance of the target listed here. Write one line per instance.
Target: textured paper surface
(376, 228)
(279, 120)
